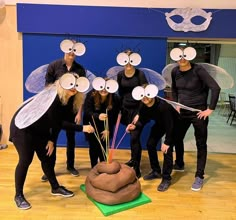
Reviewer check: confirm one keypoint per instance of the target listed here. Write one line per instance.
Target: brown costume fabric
(112, 183)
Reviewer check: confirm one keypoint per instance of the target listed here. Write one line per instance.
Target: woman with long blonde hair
(34, 128)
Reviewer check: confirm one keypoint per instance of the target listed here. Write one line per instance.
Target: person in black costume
(54, 71)
(128, 79)
(100, 105)
(164, 117)
(40, 136)
(191, 84)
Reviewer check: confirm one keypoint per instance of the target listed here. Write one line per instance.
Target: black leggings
(26, 144)
(200, 133)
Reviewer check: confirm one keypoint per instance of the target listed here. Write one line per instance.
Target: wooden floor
(217, 199)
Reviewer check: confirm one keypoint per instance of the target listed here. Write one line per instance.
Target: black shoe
(152, 175)
(164, 185)
(178, 168)
(130, 163)
(44, 178)
(62, 191)
(21, 202)
(138, 172)
(73, 171)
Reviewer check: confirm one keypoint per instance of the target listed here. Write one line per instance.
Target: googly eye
(138, 93)
(189, 53)
(122, 59)
(79, 49)
(151, 91)
(67, 81)
(176, 54)
(82, 84)
(135, 59)
(111, 86)
(99, 83)
(66, 46)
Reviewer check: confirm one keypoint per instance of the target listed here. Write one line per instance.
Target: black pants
(167, 164)
(155, 136)
(200, 133)
(135, 144)
(70, 150)
(95, 150)
(26, 144)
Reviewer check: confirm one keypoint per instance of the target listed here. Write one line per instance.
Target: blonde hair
(64, 97)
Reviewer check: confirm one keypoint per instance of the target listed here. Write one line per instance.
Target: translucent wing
(35, 82)
(113, 71)
(166, 73)
(175, 104)
(35, 107)
(154, 77)
(90, 76)
(222, 77)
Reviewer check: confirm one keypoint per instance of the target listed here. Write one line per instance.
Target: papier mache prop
(110, 182)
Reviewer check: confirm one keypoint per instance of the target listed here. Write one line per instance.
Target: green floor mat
(112, 209)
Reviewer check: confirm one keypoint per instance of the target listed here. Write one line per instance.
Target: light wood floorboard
(217, 199)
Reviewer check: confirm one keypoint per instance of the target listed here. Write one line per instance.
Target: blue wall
(101, 52)
(105, 31)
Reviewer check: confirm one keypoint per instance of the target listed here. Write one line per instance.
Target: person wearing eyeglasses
(191, 86)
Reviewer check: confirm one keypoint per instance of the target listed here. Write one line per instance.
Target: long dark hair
(98, 100)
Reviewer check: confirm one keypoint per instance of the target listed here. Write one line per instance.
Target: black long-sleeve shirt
(127, 84)
(91, 111)
(58, 67)
(49, 125)
(164, 116)
(191, 87)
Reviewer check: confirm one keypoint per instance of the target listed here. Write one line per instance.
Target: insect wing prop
(36, 107)
(35, 82)
(221, 76)
(152, 76)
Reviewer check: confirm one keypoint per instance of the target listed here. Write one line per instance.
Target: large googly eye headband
(110, 85)
(189, 53)
(68, 46)
(72, 80)
(123, 58)
(150, 91)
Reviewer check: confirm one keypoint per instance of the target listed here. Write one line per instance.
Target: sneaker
(197, 185)
(130, 163)
(73, 171)
(62, 191)
(21, 202)
(164, 185)
(178, 168)
(152, 175)
(44, 178)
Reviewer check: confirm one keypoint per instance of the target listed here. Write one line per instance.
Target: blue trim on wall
(114, 21)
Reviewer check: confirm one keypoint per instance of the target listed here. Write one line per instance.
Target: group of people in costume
(65, 102)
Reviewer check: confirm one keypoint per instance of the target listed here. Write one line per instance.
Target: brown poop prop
(112, 183)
